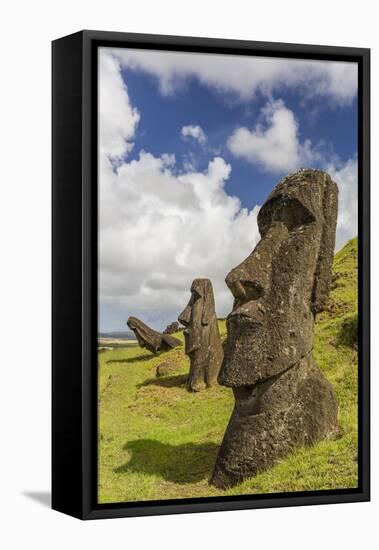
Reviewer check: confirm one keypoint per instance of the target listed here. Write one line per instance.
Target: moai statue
(171, 328)
(202, 336)
(282, 399)
(151, 339)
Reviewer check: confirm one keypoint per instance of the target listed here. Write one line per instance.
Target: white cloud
(346, 177)
(275, 146)
(274, 142)
(246, 76)
(160, 228)
(117, 118)
(194, 131)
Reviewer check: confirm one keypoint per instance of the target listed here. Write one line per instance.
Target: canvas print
(227, 275)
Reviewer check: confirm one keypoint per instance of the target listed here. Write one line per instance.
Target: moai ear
(323, 272)
(208, 303)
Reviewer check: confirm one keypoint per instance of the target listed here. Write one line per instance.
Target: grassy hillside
(159, 441)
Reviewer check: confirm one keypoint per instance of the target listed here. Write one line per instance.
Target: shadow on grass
(187, 463)
(167, 382)
(145, 357)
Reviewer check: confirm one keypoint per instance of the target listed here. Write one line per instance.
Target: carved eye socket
(195, 296)
(287, 210)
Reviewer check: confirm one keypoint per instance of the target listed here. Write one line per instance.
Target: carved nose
(250, 279)
(237, 289)
(185, 317)
(244, 289)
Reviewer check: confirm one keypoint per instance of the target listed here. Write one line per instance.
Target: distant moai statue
(202, 336)
(282, 399)
(171, 328)
(151, 339)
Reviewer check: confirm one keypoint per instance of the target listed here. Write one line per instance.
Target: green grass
(159, 441)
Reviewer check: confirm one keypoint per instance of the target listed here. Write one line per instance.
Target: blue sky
(190, 145)
(164, 116)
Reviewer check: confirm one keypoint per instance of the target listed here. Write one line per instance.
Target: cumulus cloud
(159, 228)
(274, 145)
(274, 142)
(346, 177)
(246, 76)
(117, 118)
(195, 132)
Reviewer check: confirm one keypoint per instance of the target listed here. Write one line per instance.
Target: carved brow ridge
(286, 209)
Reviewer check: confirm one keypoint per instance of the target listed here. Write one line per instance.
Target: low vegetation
(157, 440)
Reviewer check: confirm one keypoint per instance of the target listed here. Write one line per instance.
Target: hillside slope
(159, 441)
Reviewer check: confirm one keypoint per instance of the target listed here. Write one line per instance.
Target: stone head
(134, 323)
(284, 282)
(144, 334)
(150, 338)
(198, 314)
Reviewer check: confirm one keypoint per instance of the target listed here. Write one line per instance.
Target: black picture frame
(74, 272)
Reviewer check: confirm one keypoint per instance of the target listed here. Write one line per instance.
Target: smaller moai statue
(202, 337)
(171, 328)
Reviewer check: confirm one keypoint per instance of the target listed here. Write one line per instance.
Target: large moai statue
(202, 336)
(151, 339)
(282, 399)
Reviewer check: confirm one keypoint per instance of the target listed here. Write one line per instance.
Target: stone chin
(272, 419)
(190, 347)
(251, 357)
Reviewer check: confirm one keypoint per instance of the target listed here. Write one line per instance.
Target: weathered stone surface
(171, 328)
(167, 367)
(282, 400)
(202, 336)
(151, 339)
